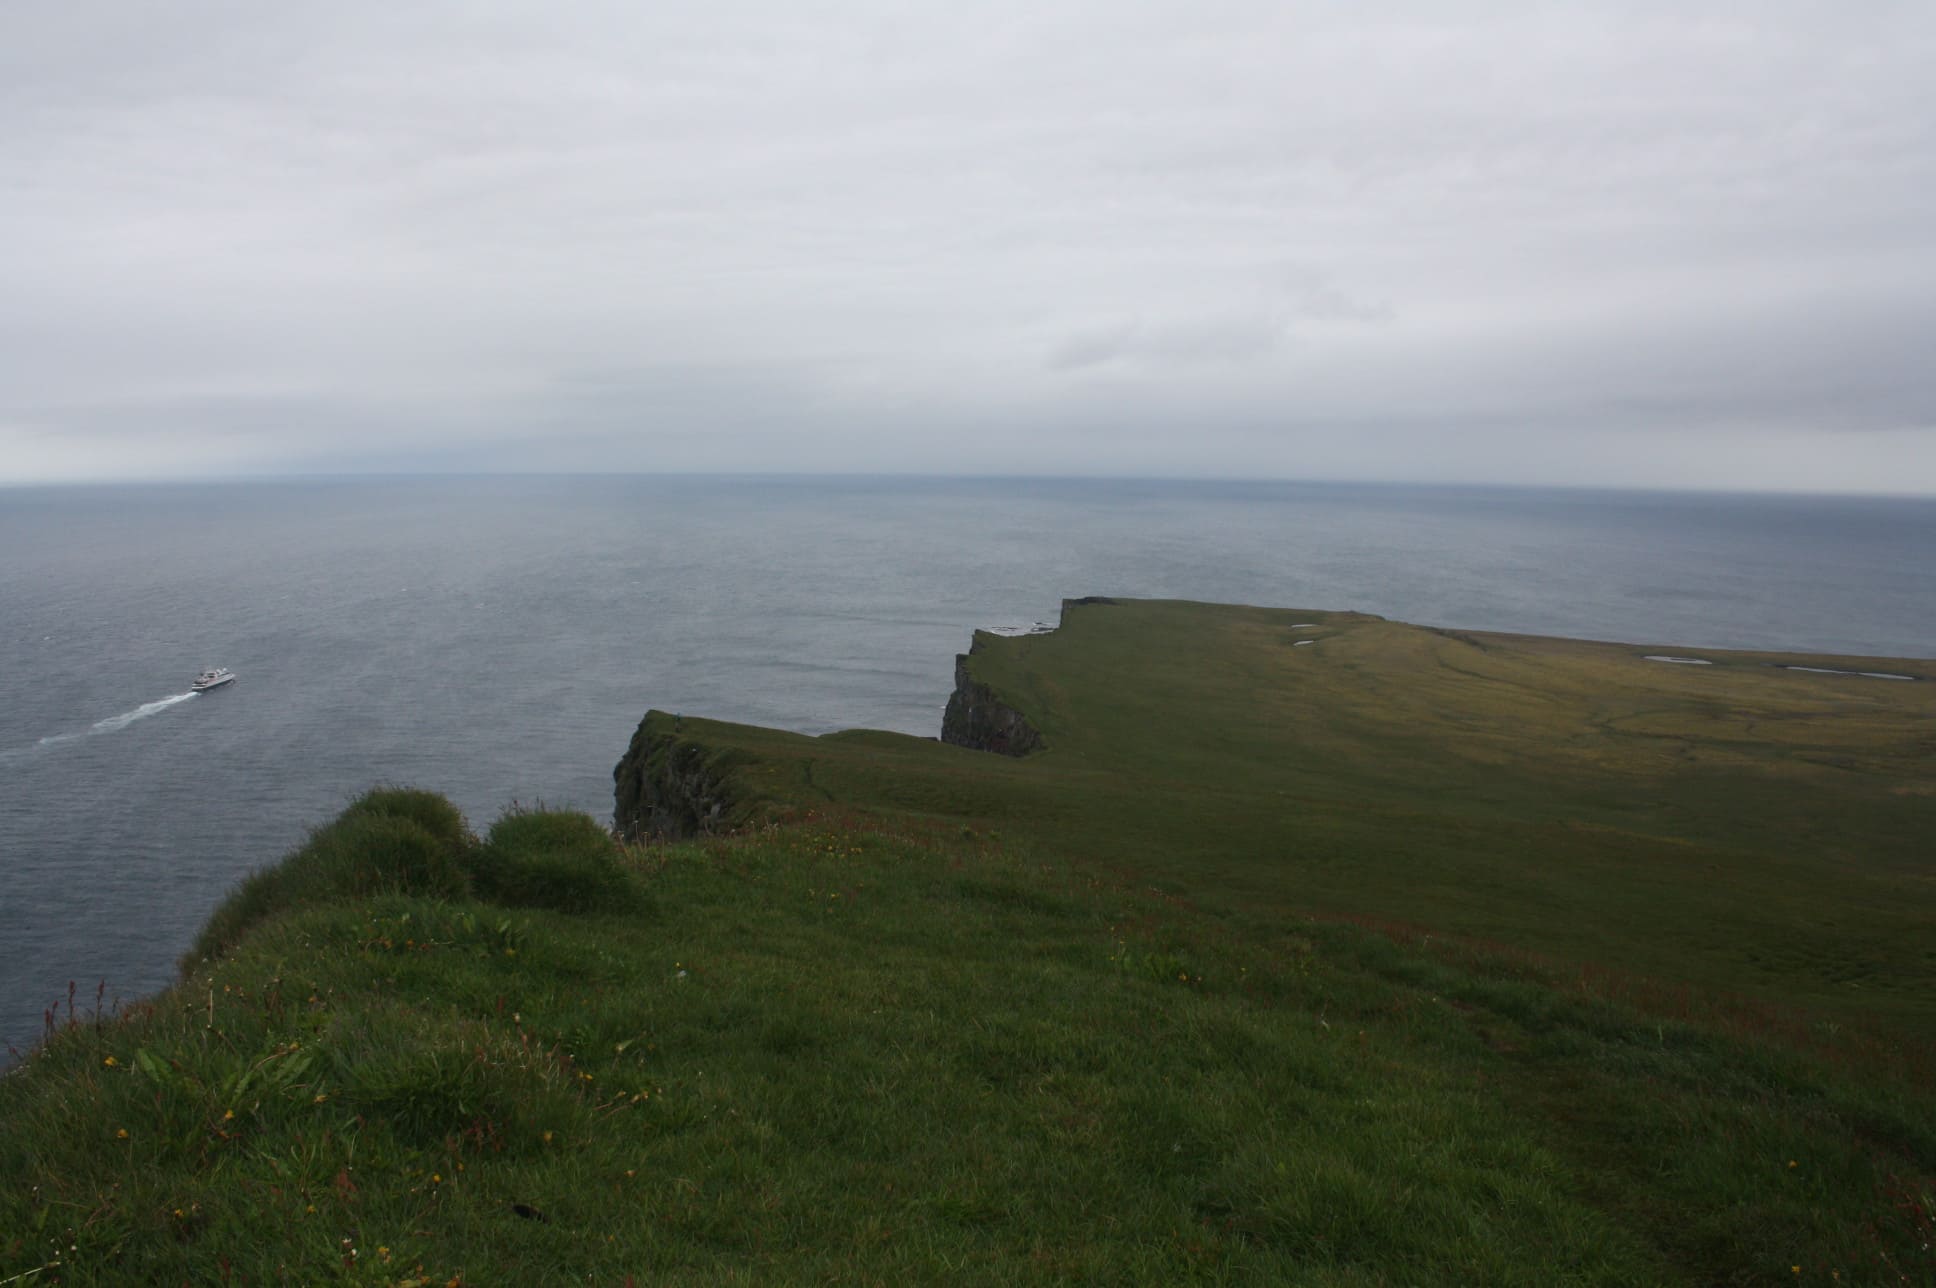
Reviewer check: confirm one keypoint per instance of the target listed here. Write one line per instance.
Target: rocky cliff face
(667, 787)
(670, 785)
(979, 720)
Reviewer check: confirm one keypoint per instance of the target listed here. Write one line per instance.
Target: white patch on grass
(1873, 675)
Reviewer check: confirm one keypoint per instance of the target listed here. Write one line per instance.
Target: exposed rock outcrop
(978, 719)
(671, 784)
(668, 786)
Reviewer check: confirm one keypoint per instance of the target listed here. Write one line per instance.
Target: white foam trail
(142, 712)
(121, 721)
(1677, 661)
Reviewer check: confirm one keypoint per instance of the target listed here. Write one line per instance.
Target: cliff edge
(669, 786)
(978, 719)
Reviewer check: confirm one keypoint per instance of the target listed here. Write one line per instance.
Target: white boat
(213, 679)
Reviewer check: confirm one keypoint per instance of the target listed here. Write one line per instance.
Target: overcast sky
(1622, 243)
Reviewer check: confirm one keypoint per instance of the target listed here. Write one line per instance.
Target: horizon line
(406, 475)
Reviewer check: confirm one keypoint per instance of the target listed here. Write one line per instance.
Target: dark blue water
(497, 639)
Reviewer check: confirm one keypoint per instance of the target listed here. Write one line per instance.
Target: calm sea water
(497, 639)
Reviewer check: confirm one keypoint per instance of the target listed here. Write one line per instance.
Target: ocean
(497, 638)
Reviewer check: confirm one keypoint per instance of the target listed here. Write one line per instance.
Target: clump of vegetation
(389, 841)
(558, 859)
(431, 811)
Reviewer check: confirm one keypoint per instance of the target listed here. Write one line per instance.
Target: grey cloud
(1092, 347)
(1232, 338)
(1310, 296)
(1249, 238)
(1291, 296)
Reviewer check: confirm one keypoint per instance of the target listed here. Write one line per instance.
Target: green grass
(835, 1053)
(1368, 963)
(387, 840)
(1738, 826)
(553, 859)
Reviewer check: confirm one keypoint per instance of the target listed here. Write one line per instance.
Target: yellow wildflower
(110, 1062)
(121, 1134)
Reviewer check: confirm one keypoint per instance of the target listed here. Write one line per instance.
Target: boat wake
(141, 712)
(112, 723)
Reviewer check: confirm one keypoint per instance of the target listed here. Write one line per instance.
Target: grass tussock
(557, 859)
(429, 810)
(388, 841)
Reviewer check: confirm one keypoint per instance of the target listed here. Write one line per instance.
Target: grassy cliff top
(1736, 824)
(1202, 992)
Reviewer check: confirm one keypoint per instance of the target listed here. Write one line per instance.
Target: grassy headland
(1735, 824)
(1405, 957)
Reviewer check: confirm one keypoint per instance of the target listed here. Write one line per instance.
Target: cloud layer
(1617, 243)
